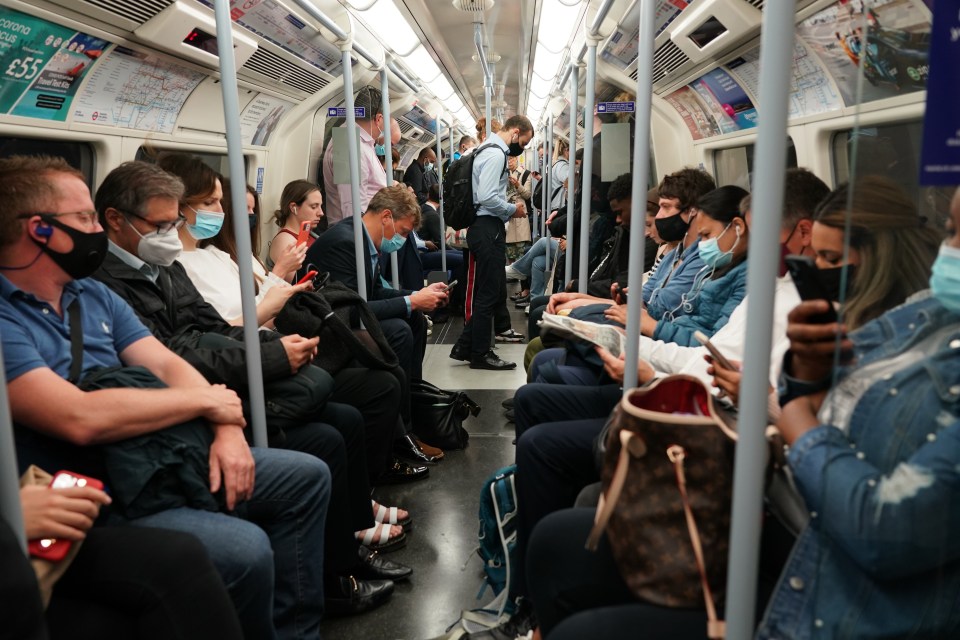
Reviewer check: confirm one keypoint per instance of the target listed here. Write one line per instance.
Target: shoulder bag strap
(76, 341)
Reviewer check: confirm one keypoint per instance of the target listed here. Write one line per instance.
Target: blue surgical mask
(390, 245)
(711, 254)
(456, 155)
(428, 166)
(380, 149)
(945, 277)
(208, 224)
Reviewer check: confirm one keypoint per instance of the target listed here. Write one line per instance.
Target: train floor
(443, 539)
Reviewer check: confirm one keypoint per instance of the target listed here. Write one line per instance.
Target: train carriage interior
(593, 103)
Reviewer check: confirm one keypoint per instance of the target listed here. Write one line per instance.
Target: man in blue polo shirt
(486, 278)
(50, 240)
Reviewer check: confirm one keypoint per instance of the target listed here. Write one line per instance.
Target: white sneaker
(513, 273)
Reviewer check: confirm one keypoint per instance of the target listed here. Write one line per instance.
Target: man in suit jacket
(392, 214)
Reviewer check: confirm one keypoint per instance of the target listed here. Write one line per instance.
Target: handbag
(438, 415)
(47, 571)
(668, 467)
(348, 329)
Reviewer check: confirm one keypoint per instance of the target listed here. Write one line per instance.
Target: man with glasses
(264, 530)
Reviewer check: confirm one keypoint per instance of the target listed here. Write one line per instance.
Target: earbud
(44, 230)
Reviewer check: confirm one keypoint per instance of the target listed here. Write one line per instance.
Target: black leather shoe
(508, 403)
(356, 596)
(509, 415)
(458, 353)
(402, 471)
(375, 567)
(407, 448)
(492, 362)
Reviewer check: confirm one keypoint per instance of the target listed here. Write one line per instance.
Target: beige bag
(47, 572)
(518, 230)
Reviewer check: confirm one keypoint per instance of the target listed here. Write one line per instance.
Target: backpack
(459, 209)
(498, 531)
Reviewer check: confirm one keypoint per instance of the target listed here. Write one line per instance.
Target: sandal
(390, 515)
(378, 538)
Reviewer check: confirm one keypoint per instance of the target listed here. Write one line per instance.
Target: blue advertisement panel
(940, 158)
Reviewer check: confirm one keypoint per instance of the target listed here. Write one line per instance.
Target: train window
(735, 165)
(79, 155)
(219, 162)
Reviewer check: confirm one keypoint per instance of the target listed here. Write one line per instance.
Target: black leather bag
(438, 415)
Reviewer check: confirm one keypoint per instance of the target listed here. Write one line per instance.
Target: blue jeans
(271, 545)
(534, 264)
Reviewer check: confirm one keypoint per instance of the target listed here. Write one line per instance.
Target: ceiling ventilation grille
(756, 3)
(276, 68)
(667, 59)
(139, 11)
(473, 6)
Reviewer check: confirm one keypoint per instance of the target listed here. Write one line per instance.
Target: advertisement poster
(43, 64)
(940, 156)
(892, 38)
(726, 100)
(695, 114)
(260, 117)
(134, 90)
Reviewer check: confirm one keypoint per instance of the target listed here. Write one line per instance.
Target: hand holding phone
(304, 232)
(450, 286)
(55, 549)
(717, 356)
(803, 270)
(620, 294)
(309, 275)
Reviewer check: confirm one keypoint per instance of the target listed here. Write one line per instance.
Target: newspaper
(611, 338)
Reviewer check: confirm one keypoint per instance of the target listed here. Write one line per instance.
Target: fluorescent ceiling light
(556, 18)
(546, 63)
(535, 102)
(453, 103)
(389, 25)
(539, 86)
(421, 64)
(440, 87)
(464, 115)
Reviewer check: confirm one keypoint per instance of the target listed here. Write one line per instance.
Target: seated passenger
(111, 588)
(59, 426)
(300, 203)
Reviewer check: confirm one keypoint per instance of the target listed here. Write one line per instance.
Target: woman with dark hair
(301, 202)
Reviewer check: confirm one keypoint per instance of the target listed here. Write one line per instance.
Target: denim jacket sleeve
(874, 517)
(666, 295)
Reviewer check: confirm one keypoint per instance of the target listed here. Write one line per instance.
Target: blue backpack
(498, 530)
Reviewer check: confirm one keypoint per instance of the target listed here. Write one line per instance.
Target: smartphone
(321, 280)
(304, 232)
(620, 293)
(450, 286)
(53, 549)
(717, 356)
(806, 278)
(308, 276)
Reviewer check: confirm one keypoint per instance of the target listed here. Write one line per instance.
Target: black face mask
(672, 229)
(252, 218)
(830, 279)
(515, 149)
(88, 253)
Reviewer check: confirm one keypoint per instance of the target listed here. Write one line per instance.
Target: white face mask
(160, 248)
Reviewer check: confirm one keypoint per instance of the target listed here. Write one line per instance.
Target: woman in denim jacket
(877, 461)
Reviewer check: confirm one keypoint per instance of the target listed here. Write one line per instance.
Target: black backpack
(459, 209)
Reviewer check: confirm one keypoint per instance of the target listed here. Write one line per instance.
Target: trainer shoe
(510, 336)
(513, 274)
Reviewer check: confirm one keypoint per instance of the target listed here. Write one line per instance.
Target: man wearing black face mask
(487, 239)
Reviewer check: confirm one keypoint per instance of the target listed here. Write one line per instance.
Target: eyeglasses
(161, 227)
(88, 218)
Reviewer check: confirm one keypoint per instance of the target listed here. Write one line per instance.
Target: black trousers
(486, 283)
(377, 395)
(125, 582)
(408, 339)
(580, 594)
(339, 441)
(538, 306)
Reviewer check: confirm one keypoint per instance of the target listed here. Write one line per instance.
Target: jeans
(534, 265)
(271, 545)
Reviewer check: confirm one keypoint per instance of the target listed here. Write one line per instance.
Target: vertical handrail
(241, 227)
(571, 166)
(360, 249)
(546, 228)
(776, 57)
(443, 256)
(587, 167)
(641, 169)
(10, 509)
(548, 176)
(388, 157)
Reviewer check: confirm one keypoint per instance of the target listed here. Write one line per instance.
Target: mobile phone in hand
(54, 549)
(620, 293)
(450, 286)
(717, 356)
(304, 232)
(309, 275)
(803, 270)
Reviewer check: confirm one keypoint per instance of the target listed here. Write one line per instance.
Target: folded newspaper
(611, 338)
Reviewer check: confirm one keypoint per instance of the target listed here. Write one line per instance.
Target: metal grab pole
(546, 227)
(587, 166)
(571, 173)
(241, 227)
(10, 509)
(439, 168)
(388, 156)
(641, 169)
(548, 176)
(443, 225)
(358, 240)
(776, 47)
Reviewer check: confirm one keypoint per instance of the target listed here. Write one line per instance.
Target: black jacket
(175, 312)
(334, 252)
(415, 178)
(429, 224)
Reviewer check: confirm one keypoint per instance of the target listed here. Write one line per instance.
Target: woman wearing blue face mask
(721, 283)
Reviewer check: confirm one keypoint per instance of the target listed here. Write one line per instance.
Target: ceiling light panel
(390, 27)
(420, 62)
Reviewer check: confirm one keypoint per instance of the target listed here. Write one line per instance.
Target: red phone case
(310, 274)
(53, 549)
(304, 233)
